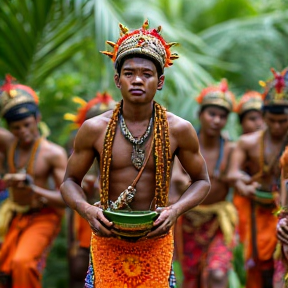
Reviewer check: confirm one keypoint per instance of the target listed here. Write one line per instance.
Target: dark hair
(275, 109)
(157, 65)
(21, 111)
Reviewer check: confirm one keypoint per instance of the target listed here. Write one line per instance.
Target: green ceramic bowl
(131, 223)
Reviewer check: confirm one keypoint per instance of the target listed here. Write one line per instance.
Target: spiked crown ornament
(142, 41)
(251, 100)
(276, 90)
(217, 96)
(99, 104)
(14, 94)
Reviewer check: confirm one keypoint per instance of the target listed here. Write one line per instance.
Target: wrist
(82, 208)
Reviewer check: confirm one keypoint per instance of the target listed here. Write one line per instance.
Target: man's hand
(164, 222)
(246, 190)
(18, 180)
(100, 225)
(282, 230)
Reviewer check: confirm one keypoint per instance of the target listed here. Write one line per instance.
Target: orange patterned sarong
(145, 263)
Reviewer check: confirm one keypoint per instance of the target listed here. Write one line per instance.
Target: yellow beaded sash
(162, 155)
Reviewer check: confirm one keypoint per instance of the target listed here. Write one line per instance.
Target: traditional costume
(205, 235)
(250, 101)
(28, 231)
(259, 228)
(125, 261)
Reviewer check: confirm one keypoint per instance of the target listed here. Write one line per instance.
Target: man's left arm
(188, 153)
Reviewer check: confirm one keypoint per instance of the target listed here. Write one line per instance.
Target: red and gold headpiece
(217, 96)
(276, 90)
(251, 100)
(142, 41)
(100, 104)
(12, 95)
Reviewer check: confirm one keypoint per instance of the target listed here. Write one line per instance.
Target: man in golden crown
(31, 217)
(132, 244)
(258, 155)
(79, 233)
(205, 235)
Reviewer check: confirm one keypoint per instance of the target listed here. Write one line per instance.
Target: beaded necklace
(161, 155)
(29, 167)
(265, 169)
(138, 154)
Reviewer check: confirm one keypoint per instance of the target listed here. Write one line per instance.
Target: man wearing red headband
(140, 141)
(204, 235)
(31, 216)
(259, 153)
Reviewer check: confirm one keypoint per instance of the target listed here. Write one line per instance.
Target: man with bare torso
(137, 127)
(32, 213)
(79, 231)
(204, 235)
(249, 110)
(259, 153)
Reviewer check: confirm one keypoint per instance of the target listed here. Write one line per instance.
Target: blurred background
(53, 46)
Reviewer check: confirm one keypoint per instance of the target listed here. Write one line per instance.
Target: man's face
(252, 121)
(25, 130)
(213, 120)
(276, 123)
(138, 80)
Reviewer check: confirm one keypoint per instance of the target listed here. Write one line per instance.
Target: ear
(160, 82)
(117, 80)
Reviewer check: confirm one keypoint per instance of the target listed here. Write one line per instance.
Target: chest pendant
(137, 157)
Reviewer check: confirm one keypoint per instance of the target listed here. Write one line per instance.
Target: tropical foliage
(53, 45)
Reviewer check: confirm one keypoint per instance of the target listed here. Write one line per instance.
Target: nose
(216, 119)
(137, 79)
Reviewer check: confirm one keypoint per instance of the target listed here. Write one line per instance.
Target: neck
(276, 139)
(207, 141)
(137, 113)
(27, 145)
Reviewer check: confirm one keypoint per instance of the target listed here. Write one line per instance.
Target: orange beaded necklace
(29, 167)
(161, 154)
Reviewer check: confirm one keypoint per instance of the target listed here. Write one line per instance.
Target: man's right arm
(236, 175)
(78, 164)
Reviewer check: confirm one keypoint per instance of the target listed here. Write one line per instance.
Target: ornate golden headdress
(142, 41)
(217, 96)
(96, 106)
(276, 90)
(12, 95)
(251, 100)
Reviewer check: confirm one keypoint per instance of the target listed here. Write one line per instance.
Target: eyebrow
(142, 68)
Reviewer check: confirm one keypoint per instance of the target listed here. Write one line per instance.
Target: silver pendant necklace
(138, 153)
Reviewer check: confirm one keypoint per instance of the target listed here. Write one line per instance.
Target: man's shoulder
(98, 122)
(176, 122)
(5, 138)
(251, 139)
(52, 149)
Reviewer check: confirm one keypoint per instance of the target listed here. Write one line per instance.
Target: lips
(136, 91)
